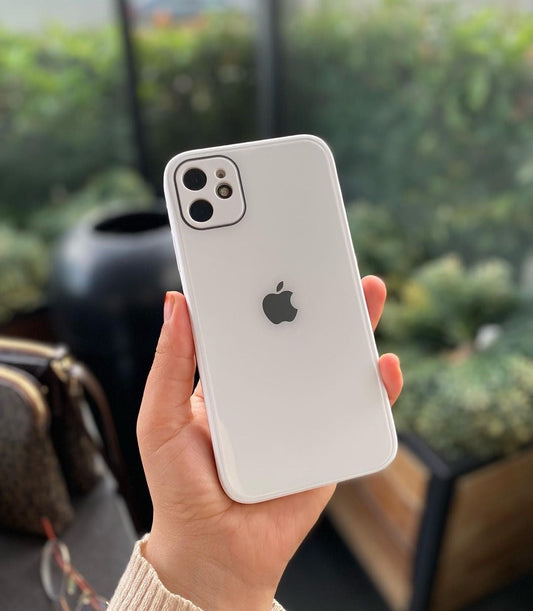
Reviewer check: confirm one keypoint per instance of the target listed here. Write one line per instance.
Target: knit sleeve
(140, 589)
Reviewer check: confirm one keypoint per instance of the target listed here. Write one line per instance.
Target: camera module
(194, 179)
(201, 211)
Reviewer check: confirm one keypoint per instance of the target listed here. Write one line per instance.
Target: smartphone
(284, 343)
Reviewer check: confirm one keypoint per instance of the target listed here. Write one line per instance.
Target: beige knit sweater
(140, 589)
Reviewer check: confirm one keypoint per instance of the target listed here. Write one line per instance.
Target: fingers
(166, 402)
(389, 364)
(375, 295)
(391, 374)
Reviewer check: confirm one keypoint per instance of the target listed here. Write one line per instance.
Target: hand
(217, 553)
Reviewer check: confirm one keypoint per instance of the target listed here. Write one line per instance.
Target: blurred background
(428, 108)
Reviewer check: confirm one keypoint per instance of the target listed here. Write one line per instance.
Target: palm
(263, 533)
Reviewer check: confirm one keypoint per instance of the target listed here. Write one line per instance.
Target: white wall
(31, 15)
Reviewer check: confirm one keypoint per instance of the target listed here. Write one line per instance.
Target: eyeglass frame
(56, 550)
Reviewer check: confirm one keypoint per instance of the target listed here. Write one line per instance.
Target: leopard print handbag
(51, 366)
(31, 480)
(47, 454)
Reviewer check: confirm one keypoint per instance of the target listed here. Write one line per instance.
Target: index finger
(375, 296)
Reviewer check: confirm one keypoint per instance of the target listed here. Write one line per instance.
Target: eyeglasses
(61, 581)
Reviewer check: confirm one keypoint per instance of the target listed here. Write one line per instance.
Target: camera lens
(194, 179)
(201, 211)
(224, 191)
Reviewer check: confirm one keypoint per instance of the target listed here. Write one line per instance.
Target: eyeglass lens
(60, 584)
(55, 561)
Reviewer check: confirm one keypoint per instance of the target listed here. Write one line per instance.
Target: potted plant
(449, 520)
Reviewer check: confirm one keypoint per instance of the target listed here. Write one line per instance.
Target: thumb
(165, 407)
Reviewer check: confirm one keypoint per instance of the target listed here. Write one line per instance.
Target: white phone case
(296, 404)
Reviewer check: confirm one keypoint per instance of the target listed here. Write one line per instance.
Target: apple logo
(278, 307)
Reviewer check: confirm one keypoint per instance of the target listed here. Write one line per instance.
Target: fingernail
(168, 307)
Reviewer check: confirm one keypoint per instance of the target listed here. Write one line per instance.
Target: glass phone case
(298, 402)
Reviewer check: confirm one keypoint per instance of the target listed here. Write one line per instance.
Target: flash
(220, 174)
(224, 191)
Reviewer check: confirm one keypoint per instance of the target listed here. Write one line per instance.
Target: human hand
(209, 549)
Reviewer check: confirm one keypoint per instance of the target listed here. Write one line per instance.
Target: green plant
(197, 85)
(482, 406)
(429, 112)
(463, 399)
(443, 304)
(497, 226)
(517, 332)
(23, 271)
(64, 113)
(423, 106)
(416, 99)
(381, 247)
(65, 109)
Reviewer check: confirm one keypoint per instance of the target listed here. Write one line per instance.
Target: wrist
(198, 577)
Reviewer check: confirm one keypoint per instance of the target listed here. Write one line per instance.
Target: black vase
(108, 283)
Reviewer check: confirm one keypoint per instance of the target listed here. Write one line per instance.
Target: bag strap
(111, 448)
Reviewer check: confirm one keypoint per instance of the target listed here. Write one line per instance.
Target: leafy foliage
(429, 112)
(420, 104)
(23, 270)
(63, 119)
(443, 304)
(517, 332)
(65, 122)
(65, 109)
(196, 85)
(463, 399)
(481, 406)
(382, 247)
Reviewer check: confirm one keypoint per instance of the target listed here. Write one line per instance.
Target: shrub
(430, 116)
(482, 406)
(382, 248)
(462, 398)
(197, 85)
(497, 226)
(419, 102)
(64, 117)
(423, 107)
(444, 304)
(23, 271)
(517, 333)
(63, 97)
